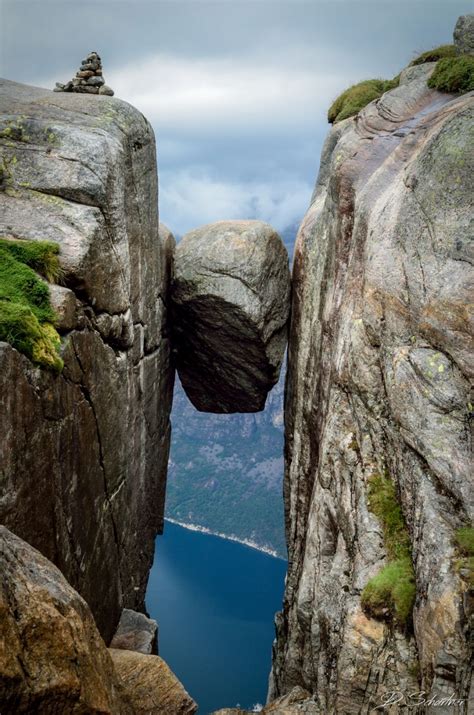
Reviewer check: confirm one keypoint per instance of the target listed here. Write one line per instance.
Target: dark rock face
(464, 34)
(380, 358)
(83, 455)
(230, 301)
(52, 658)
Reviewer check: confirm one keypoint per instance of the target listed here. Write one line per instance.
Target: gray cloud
(237, 90)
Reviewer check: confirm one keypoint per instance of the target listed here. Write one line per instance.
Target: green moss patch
(464, 538)
(437, 53)
(453, 74)
(26, 316)
(358, 96)
(390, 595)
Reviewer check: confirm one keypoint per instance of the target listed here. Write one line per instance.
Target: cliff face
(83, 454)
(380, 358)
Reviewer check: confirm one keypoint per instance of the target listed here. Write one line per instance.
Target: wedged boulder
(230, 303)
(136, 632)
(150, 686)
(52, 658)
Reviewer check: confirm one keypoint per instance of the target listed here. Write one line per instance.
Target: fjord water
(215, 602)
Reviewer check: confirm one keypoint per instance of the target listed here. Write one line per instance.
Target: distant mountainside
(226, 471)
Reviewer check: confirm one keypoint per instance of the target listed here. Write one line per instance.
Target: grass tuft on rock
(42, 256)
(390, 595)
(358, 96)
(26, 316)
(454, 75)
(437, 53)
(464, 539)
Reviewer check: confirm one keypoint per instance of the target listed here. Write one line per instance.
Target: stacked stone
(88, 79)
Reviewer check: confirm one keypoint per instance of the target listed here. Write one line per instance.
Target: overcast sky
(237, 90)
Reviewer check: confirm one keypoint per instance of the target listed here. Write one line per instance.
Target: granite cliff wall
(380, 363)
(83, 454)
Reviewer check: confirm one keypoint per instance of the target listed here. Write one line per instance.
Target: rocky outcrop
(464, 35)
(380, 359)
(52, 658)
(136, 632)
(83, 454)
(230, 301)
(297, 702)
(149, 685)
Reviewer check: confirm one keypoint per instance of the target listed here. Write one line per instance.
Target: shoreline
(244, 542)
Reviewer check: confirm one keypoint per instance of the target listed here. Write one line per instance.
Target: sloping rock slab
(150, 686)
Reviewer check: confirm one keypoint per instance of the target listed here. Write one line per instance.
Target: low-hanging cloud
(192, 198)
(220, 95)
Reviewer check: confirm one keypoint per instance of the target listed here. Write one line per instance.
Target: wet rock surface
(380, 363)
(230, 303)
(84, 454)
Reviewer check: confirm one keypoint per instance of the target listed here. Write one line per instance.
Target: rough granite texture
(296, 702)
(150, 686)
(380, 359)
(52, 658)
(464, 34)
(136, 632)
(83, 455)
(230, 301)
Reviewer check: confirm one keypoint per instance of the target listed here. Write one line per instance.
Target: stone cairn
(88, 79)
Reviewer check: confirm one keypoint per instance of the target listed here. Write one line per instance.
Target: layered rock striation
(230, 301)
(377, 397)
(84, 453)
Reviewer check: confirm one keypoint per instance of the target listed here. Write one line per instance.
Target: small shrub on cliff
(390, 595)
(464, 538)
(453, 74)
(358, 96)
(437, 53)
(26, 316)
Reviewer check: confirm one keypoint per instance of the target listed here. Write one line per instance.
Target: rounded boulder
(230, 309)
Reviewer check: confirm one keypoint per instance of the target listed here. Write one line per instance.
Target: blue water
(215, 602)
